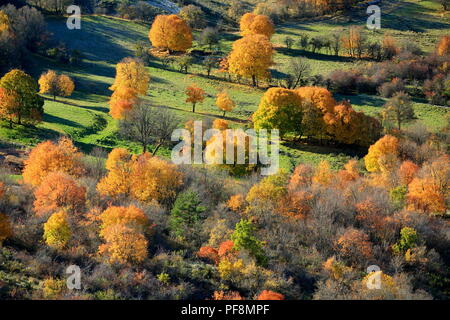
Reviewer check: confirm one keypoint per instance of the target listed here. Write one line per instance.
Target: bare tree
(148, 125)
(297, 74)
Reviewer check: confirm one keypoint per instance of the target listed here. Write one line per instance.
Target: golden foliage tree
(425, 196)
(56, 85)
(59, 191)
(131, 216)
(130, 82)
(194, 95)
(224, 102)
(144, 178)
(170, 32)
(5, 228)
(382, 154)
(57, 232)
(251, 57)
(124, 245)
(323, 174)
(9, 103)
(355, 246)
(49, 157)
(256, 24)
(116, 182)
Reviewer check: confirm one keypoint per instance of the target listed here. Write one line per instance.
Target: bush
(388, 89)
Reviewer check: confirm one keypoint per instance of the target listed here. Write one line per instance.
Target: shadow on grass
(54, 119)
(315, 147)
(315, 56)
(363, 100)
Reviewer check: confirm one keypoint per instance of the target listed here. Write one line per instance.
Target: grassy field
(104, 41)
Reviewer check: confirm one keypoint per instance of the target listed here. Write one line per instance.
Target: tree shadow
(314, 56)
(54, 119)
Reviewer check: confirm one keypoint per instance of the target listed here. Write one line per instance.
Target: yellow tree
(131, 217)
(256, 24)
(251, 57)
(124, 245)
(194, 95)
(57, 232)
(154, 179)
(116, 183)
(56, 85)
(224, 102)
(9, 104)
(171, 33)
(382, 154)
(131, 81)
(49, 157)
(280, 109)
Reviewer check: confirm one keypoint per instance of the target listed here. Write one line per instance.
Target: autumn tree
(224, 102)
(5, 228)
(49, 157)
(353, 42)
(148, 125)
(425, 196)
(382, 155)
(251, 24)
(443, 47)
(251, 57)
(355, 246)
(407, 172)
(399, 108)
(131, 81)
(270, 295)
(59, 191)
(131, 216)
(171, 33)
(280, 109)
(153, 178)
(123, 245)
(323, 174)
(57, 231)
(194, 95)
(23, 101)
(56, 85)
(116, 182)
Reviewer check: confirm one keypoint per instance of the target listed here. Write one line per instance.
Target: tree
(354, 42)
(193, 16)
(59, 191)
(154, 179)
(297, 72)
(355, 246)
(252, 24)
(186, 213)
(270, 295)
(280, 109)
(244, 238)
(209, 63)
(9, 103)
(323, 174)
(425, 195)
(408, 240)
(124, 245)
(131, 80)
(145, 125)
(131, 217)
(194, 95)
(56, 85)
(25, 103)
(5, 228)
(399, 108)
(443, 47)
(49, 157)
(289, 42)
(57, 232)
(251, 57)
(116, 183)
(384, 150)
(407, 172)
(209, 37)
(171, 33)
(224, 102)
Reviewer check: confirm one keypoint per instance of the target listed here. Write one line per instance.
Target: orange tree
(171, 33)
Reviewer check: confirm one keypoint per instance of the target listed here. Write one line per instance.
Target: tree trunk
(254, 80)
(223, 114)
(156, 149)
(193, 107)
(144, 148)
